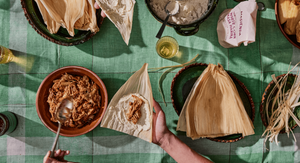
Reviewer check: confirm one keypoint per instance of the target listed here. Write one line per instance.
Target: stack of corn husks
(70, 14)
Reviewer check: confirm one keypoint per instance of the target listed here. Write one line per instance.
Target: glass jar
(8, 122)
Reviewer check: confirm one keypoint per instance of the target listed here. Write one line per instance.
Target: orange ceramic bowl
(42, 107)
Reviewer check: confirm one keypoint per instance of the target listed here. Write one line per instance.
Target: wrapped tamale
(214, 108)
(293, 18)
(70, 14)
(130, 109)
(283, 10)
(120, 13)
(52, 25)
(298, 32)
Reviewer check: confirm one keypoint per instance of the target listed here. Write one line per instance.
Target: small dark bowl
(183, 82)
(290, 81)
(42, 106)
(291, 38)
(62, 37)
(189, 29)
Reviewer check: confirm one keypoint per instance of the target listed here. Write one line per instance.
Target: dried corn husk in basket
(115, 118)
(281, 104)
(214, 107)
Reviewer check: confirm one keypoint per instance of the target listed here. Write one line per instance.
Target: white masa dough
(118, 120)
(189, 10)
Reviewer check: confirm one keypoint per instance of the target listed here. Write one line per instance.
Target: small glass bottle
(8, 122)
(5, 55)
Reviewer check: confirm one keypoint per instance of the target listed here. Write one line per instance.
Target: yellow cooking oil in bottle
(167, 47)
(5, 55)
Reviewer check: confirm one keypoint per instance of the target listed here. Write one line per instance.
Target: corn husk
(281, 104)
(52, 25)
(114, 118)
(293, 18)
(283, 10)
(120, 13)
(298, 32)
(70, 14)
(214, 107)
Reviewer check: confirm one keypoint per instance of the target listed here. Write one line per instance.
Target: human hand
(97, 7)
(58, 157)
(160, 129)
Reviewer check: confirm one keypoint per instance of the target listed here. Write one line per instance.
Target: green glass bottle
(8, 122)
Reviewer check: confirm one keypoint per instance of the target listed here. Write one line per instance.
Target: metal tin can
(8, 122)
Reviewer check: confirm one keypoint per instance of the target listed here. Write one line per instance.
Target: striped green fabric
(114, 62)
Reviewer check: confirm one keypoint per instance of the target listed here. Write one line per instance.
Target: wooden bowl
(62, 37)
(291, 38)
(292, 123)
(42, 107)
(183, 82)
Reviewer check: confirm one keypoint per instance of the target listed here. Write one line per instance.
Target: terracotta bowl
(42, 107)
(267, 91)
(291, 38)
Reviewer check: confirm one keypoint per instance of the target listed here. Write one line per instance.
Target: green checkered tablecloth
(113, 61)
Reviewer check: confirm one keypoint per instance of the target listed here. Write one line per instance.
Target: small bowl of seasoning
(8, 123)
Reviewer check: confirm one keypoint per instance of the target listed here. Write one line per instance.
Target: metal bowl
(188, 29)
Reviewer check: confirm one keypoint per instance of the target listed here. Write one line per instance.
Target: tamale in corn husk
(115, 117)
(214, 107)
(70, 14)
(293, 18)
(120, 13)
(283, 10)
(298, 32)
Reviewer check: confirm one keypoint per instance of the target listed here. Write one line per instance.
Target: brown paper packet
(138, 83)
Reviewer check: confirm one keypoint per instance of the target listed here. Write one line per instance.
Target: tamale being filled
(214, 108)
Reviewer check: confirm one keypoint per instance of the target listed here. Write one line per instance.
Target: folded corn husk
(70, 14)
(298, 32)
(283, 10)
(114, 117)
(120, 13)
(214, 107)
(282, 107)
(293, 18)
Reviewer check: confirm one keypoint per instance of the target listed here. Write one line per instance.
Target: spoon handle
(161, 30)
(55, 141)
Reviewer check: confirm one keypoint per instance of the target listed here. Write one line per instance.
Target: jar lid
(3, 125)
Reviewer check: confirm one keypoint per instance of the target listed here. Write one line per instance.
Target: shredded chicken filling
(134, 112)
(85, 97)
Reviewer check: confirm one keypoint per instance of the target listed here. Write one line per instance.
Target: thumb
(156, 106)
(48, 154)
